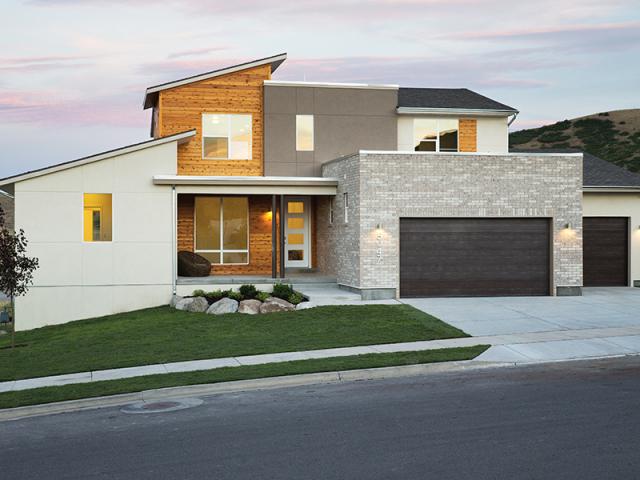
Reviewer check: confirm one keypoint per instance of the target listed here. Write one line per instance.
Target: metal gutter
(481, 112)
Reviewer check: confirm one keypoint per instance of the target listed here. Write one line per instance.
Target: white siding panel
(97, 263)
(49, 216)
(143, 217)
(142, 263)
(60, 263)
(493, 135)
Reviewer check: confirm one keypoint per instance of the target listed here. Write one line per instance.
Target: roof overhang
(476, 112)
(250, 185)
(151, 95)
(610, 189)
(178, 137)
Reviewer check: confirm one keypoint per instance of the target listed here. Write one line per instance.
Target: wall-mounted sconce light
(568, 226)
(379, 226)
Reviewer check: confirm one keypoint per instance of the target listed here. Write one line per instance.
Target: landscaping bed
(247, 299)
(164, 334)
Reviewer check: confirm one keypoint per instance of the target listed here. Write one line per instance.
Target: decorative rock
(222, 306)
(251, 306)
(305, 305)
(193, 304)
(274, 304)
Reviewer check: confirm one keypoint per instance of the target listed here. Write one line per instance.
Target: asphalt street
(575, 420)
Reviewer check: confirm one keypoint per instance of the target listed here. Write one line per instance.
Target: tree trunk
(13, 324)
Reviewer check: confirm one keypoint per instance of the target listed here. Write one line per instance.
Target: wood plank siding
(468, 134)
(181, 108)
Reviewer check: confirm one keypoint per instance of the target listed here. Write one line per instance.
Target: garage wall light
(568, 226)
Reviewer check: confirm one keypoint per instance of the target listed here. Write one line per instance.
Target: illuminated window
(97, 217)
(435, 135)
(304, 133)
(226, 137)
(222, 229)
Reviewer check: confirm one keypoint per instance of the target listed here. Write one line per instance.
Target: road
(577, 420)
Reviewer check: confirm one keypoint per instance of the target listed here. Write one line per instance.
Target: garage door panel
(605, 251)
(473, 257)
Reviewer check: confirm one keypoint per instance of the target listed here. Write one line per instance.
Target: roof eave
(483, 112)
(178, 137)
(151, 94)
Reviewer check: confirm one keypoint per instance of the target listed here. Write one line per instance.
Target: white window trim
(345, 197)
(221, 251)
(313, 134)
(228, 115)
(437, 140)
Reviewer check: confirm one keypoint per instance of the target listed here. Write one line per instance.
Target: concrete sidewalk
(511, 348)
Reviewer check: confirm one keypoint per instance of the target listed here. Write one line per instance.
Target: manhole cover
(161, 406)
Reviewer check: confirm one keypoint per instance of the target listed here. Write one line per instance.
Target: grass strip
(227, 374)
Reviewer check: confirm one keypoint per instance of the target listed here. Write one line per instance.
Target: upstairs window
(304, 133)
(226, 137)
(435, 135)
(97, 217)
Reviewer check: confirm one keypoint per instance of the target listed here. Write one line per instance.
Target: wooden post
(282, 227)
(274, 239)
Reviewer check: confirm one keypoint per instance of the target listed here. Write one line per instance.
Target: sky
(73, 72)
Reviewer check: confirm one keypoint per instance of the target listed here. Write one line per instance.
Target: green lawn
(112, 387)
(163, 334)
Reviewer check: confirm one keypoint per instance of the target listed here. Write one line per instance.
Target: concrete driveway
(602, 322)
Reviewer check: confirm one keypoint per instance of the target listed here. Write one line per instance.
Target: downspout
(174, 236)
(515, 115)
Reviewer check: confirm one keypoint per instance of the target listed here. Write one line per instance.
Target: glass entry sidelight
(296, 239)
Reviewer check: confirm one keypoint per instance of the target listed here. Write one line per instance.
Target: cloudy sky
(73, 72)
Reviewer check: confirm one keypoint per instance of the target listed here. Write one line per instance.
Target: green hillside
(613, 136)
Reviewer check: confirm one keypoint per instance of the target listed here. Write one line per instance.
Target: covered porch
(258, 230)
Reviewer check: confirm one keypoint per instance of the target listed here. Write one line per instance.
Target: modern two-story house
(388, 191)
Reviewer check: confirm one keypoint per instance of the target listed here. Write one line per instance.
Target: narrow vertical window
(304, 133)
(97, 217)
(346, 207)
(331, 200)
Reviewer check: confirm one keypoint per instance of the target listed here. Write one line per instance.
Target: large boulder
(274, 304)
(222, 306)
(174, 300)
(305, 305)
(251, 306)
(193, 304)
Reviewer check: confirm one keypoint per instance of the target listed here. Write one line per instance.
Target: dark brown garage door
(606, 251)
(474, 257)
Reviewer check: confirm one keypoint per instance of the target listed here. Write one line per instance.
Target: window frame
(345, 199)
(221, 251)
(438, 132)
(228, 137)
(100, 210)
(331, 210)
(313, 133)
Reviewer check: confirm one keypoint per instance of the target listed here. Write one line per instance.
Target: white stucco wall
(618, 205)
(78, 279)
(492, 133)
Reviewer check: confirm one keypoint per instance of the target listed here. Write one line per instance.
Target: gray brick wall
(388, 186)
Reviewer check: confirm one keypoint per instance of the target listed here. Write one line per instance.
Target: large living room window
(226, 137)
(435, 135)
(222, 229)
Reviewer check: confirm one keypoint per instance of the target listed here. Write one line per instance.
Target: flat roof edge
(286, 83)
(455, 111)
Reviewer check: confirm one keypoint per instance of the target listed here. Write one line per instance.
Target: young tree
(16, 268)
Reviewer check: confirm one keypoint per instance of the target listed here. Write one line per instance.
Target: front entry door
(296, 239)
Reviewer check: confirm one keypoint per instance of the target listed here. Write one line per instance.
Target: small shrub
(248, 291)
(262, 296)
(216, 295)
(622, 123)
(282, 291)
(295, 298)
(233, 295)
(199, 293)
(551, 137)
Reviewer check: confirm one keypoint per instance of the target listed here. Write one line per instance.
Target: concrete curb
(245, 386)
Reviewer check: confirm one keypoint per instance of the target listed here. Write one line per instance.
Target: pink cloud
(195, 52)
(51, 62)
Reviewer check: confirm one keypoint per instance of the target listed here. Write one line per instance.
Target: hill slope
(613, 136)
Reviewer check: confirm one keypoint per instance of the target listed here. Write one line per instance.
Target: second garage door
(474, 257)
(606, 251)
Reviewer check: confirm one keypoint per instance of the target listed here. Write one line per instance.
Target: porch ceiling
(250, 185)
